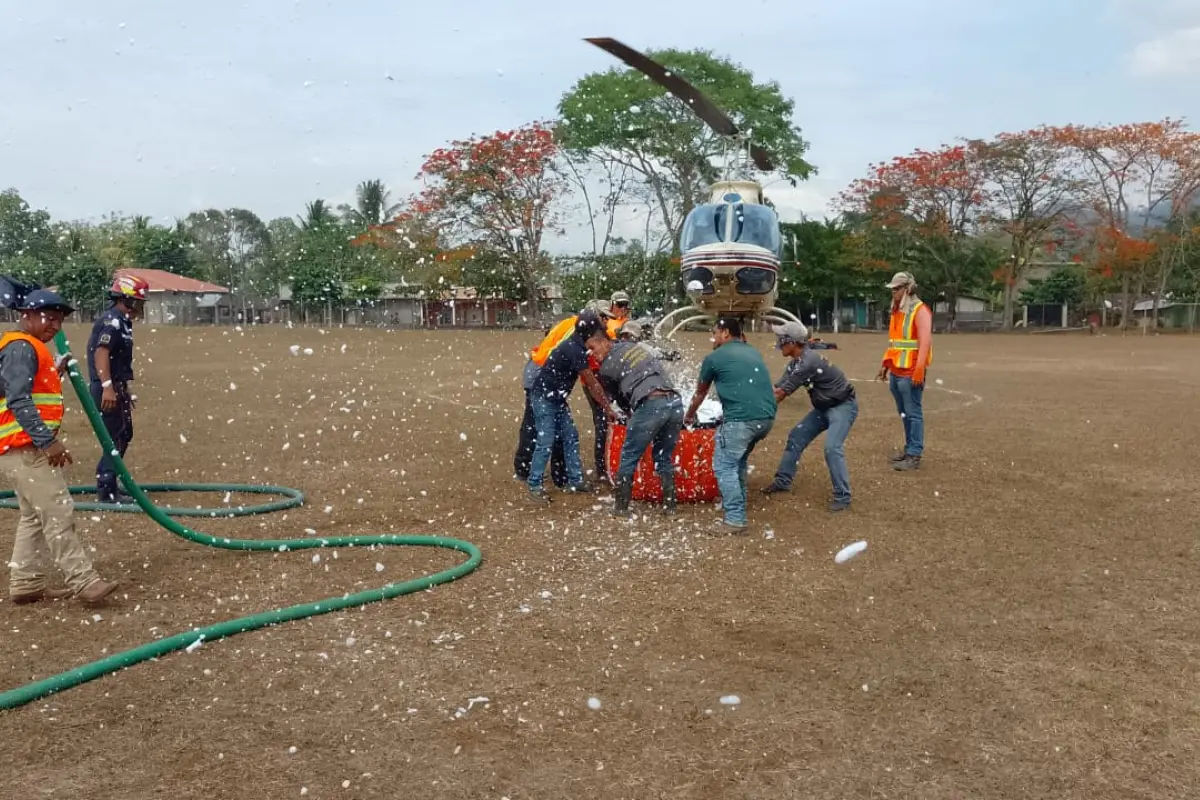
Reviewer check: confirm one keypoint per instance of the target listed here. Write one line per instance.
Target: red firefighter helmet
(129, 287)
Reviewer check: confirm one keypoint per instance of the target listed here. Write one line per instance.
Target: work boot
(624, 496)
(96, 592)
(838, 505)
(539, 497)
(897, 457)
(907, 464)
(39, 595)
(775, 487)
(583, 487)
(668, 489)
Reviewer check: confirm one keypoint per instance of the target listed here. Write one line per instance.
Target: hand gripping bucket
(694, 479)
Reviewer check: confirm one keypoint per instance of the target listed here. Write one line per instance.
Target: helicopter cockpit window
(704, 225)
(751, 224)
(758, 225)
(755, 280)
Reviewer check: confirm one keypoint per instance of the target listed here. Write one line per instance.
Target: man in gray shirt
(32, 455)
(640, 385)
(834, 409)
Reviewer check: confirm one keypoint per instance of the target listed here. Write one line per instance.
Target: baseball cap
(633, 328)
(901, 279)
(601, 307)
(790, 333)
(44, 300)
(589, 323)
(620, 297)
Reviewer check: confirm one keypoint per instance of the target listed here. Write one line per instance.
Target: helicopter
(731, 245)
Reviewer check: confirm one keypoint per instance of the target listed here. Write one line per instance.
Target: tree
(498, 190)
(1032, 185)
(1133, 179)
(934, 200)
(819, 264)
(27, 240)
(624, 117)
(157, 247)
(373, 206)
(1066, 284)
(317, 213)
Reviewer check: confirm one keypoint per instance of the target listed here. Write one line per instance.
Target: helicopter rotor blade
(704, 108)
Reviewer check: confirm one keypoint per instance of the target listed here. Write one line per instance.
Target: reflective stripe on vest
(903, 344)
(47, 395)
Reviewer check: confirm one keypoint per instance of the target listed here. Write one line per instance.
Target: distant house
(1170, 313)
(176, 300)
(406, 306)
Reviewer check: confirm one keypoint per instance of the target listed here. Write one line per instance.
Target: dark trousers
(600, 430)
(526, 442)
(119, 424)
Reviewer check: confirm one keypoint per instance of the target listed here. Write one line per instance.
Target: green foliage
(156, 247)
(647, 277)
(1066, 284)
(819, 262)
(624, 116)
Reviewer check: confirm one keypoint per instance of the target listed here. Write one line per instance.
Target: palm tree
(317, 214)
(372, 206)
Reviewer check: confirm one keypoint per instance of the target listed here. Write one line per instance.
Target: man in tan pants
(32, 454)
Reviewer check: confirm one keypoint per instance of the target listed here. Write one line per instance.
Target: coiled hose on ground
(163, 516)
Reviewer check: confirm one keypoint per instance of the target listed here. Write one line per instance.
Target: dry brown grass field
(1024, 624)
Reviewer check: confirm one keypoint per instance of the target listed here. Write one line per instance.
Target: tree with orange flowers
(929, 206)
(1139, 177)
(1033, 186)
(498, 191)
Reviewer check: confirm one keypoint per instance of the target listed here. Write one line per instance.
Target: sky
(160, 109)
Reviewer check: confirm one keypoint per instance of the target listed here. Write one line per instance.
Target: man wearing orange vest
(31, 455)
(527, 438)
(620, 312)
(909, 354)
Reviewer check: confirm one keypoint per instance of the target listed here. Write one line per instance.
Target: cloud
(1173, 55)
(1168, 36)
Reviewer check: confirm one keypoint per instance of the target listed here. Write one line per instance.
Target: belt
(656, 394)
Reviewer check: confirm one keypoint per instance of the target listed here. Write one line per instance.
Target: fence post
(1025, 316)
(1064, 315)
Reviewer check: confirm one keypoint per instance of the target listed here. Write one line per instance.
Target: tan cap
(602, 307)
(620, 297)
(901, 279)
(633, 328)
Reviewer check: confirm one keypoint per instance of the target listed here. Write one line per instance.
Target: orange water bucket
(694, 479)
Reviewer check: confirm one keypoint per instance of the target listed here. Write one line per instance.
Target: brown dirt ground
(1024, 624)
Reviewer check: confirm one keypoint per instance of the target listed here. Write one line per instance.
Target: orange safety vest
(902, 341)
(47, 395)
(559, 332)
(613, 326)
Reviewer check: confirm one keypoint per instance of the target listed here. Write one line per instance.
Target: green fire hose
(180, 641)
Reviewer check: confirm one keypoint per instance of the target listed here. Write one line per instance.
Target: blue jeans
(553, 420)
(837, 421)
(658, 421)
(908, 405)
(735, 442)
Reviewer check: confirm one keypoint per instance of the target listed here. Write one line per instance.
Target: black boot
(668, 489)
(624, 496)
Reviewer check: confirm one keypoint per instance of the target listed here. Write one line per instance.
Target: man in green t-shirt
(748, 402)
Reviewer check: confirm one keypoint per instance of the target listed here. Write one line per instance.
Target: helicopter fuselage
(730, 251)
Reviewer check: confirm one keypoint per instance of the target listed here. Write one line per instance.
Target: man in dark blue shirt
(110, 369)
(567, 363)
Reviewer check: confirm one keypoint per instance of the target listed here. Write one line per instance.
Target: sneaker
(727, 527)
(775, 488)
(907, 464)
(895, 457)
(539, 497)
(839, 505)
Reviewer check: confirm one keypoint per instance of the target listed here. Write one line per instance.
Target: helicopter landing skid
(773, 315)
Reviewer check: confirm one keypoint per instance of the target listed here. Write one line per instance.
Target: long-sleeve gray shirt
(827, 385)
(18, 366)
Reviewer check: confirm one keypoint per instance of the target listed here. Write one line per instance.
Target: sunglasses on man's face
(621, 305)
